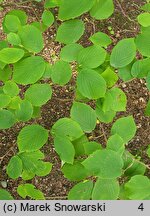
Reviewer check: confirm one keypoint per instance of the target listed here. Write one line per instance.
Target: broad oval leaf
(7, 119)
(14, 168)
(75, 171)
(38, 94)
(138, 187)
(91, 84)
(32, 138)
(29, 70)
(84, 115)
(11, 88)
(67, 127)
(106, 164)
(24, 111)
(125, 127)
(31, 38)
(11, 23)
(81, 191)
(5, 195)
(116, 143)
(142, 43)
(100, 39)
(102, 9)
(71, 9)
(61, 72)
(64, 148)
(144, 19)
(141, 68)
(22, 16)
(70, 52)
(11, 55)
(91, 57)
(13, 39)
(106, 189)
(123, 53)
(4, 100)
(70, 31)
(47, 18)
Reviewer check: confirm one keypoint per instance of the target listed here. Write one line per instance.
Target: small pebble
(4, 184)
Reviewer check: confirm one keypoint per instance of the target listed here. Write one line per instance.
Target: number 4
(141, 207)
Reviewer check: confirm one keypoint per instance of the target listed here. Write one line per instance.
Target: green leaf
(4, 100)
(74, 172)
(91, 147)
(29, 70)
(5, 74)
(81, 191)
(105, 117)
(20, 14)
(115, 99)
(29, 190)
(13, 39)
(14, 168)
(27, 175)
(38, 94)
(84, 115)
(135, 168)
(31, 38)
(100, 38)
(61, 72)
(30, 162)
(146, 7)
(70, 31)
(142, 43)
(39, 26)
(123, 53)
(106, 164)
(72, 9)
(147, 110)
(110, 77)
(48, 71)
(7, 119)
(5, 195)
(138, 187)
(91, 57)
(32, 138)
(79, 145)
(144, 19)
(141, 68)
(125, 73)
(15, 103)
(64, 148)
(148, 151)
(106, 189)
(148, 81)
(125, 127)
(69, 52)
(51, 3)
(44, 168)
(24, 111)
(67, 127)
(12, 23)
(116, 143)
(102, 9)
(11, 55)
(91, 84)
(11, 88)
(47, 18)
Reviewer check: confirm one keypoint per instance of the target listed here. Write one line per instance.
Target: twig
(63, 99)
(16, 4)
(103, 131)
(123, 12)
(11, 149)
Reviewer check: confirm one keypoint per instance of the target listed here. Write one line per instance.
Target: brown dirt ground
(55, 186)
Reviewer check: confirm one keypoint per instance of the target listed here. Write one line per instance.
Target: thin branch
(11, 149)
(103, 131)
(63, 99)
(123, 12)
(16, 4)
